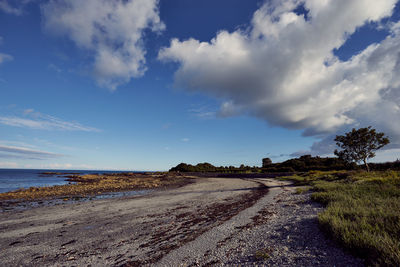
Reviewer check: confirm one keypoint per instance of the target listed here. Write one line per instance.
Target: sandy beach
(194, 225)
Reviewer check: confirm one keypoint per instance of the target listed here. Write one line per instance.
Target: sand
(213, 221)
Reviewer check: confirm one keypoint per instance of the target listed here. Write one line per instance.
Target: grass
(263, 254)
(93, 184)
(302, 190)
(362, 212)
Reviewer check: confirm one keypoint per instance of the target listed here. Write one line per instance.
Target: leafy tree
(360, 145)
(266, 162)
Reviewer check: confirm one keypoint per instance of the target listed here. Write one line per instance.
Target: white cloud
(283, 68)
(16, 8)
(60, 166)
(12, 165)
(166, 126)
(4, 57)
(203, 112)
(46, 143)
(28, 111)
(185, 139)
(25, 153)
(55, 68)
(387, 155)
(17, 143)
(66, 166)
(37, 120)
(112, 30)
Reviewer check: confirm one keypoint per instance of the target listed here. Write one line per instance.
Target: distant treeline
(308, 163)
(395, 165)
(301, 164)
(207, 167)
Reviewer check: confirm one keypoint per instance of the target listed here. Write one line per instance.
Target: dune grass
(362, 212)
(94, 184)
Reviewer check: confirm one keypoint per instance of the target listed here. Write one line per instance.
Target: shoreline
(101, 232)
(90, 187)
(16, 179)
(228, 220)
(21, 205)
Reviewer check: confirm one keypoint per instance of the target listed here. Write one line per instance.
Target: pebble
(290, 237)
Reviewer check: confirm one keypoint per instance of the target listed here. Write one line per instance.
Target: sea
(13, 179)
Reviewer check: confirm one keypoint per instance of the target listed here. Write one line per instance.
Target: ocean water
(13, 179)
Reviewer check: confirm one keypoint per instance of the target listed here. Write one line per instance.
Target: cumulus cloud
(111, 29)
(37, 120)
(283, 69)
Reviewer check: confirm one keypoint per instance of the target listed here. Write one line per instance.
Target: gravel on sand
(213, 221)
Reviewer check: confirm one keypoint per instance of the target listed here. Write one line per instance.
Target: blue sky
(146, 84)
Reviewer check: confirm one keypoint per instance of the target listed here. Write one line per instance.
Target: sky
(148, 84)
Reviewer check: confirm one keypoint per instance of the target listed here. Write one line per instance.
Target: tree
(266, 162)
(360, 145)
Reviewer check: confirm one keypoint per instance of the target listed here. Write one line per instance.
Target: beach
(195, 224)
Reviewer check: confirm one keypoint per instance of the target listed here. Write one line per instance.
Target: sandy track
(281, 229)
(135, 230)
(198, 251)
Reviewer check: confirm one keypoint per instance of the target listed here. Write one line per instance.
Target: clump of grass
(263, 254)
(94, 184)
(302, 190)
(308, 178)
(363, 214)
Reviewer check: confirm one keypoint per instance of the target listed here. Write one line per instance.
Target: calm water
(13, 179)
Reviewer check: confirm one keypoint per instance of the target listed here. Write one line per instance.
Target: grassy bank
(94, 184)
(362, 211)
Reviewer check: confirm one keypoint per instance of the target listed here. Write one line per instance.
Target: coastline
(225, 219)
(102, 231)
(89, 187)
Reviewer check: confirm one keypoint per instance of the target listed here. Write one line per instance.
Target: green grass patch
(302, 190)
(362, 212)
(308, 178)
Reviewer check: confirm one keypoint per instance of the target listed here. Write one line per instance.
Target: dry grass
(94, 184)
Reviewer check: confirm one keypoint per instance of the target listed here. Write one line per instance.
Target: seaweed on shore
(188, 226)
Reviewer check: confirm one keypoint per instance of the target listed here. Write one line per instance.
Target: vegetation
(395, 165)
(263, 254)
(360, 145)
(266, 162)
(207, 167)
(308, 163)
(93, 184)
(301, 164)
(362, 211)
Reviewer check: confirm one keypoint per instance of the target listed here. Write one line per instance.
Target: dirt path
(214, 221)
(198, 252)
(281, 229)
